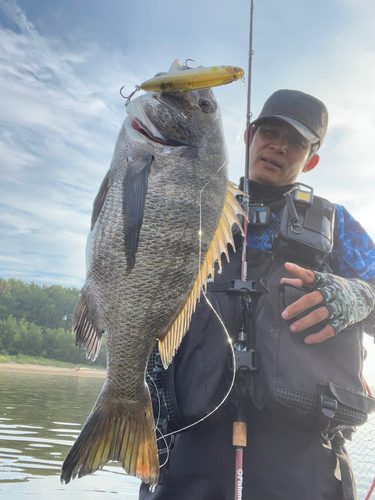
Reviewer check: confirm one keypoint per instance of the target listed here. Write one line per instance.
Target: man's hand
(345, 301)
(304, 276)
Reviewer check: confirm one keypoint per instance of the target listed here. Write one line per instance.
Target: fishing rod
(247, 152)
(240, 425)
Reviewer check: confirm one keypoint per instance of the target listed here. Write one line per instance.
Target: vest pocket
(317, 386)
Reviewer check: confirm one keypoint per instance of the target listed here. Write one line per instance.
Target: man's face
(278, 153)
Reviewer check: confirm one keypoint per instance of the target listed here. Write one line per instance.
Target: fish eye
(207, 106)
(236, 70)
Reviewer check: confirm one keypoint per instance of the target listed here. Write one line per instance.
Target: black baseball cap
(305, 113)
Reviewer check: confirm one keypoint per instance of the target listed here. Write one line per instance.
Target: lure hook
(187, 67)
(128, 97)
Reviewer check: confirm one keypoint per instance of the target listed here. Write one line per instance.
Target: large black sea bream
(162, 217)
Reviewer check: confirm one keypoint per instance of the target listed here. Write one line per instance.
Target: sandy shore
(51, 370)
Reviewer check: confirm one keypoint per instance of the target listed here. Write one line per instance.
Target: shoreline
(51, 370)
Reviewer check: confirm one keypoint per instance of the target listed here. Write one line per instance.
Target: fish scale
(146, 265)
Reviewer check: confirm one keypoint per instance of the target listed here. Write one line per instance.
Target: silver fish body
(154, 218)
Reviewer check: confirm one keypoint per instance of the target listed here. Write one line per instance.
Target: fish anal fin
(87, 335)
(170, 343)
(99, 200)
(133, 203)
(111, 434)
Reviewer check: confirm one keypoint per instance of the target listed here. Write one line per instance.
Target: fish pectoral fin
(99, 200)
(87, 335)
(112, 434)
(133, 203)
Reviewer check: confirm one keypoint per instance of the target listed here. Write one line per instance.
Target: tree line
(36, 320)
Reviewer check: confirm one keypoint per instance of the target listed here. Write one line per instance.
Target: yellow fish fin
(111, 433)
(171, 342)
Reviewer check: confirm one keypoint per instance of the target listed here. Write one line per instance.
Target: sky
(62, 64)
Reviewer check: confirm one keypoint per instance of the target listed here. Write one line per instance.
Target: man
(284, 458)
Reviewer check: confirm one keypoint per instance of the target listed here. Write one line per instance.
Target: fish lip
(139, 127)
(136, 113)
(271, 160)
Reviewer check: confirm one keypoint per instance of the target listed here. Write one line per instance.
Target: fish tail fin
(115, 435)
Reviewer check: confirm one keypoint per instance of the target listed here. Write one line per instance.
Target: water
(40, 418)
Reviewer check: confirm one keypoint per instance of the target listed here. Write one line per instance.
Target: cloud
(60, 110)
(11, 259)
(341, 73)
(58, 130)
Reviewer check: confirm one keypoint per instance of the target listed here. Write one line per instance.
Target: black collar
(267, 195)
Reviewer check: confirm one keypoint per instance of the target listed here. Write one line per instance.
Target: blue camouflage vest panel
(353, 253)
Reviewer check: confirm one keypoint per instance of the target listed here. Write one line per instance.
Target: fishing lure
(193, 79)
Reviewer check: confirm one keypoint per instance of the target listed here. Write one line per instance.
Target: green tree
(4, 286)
(8, 329)
(36, 320)
(46, 306)
(28, 338)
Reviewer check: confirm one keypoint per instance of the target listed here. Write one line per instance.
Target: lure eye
(207, 106)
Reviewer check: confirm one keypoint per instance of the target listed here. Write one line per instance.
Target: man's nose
(279, 145)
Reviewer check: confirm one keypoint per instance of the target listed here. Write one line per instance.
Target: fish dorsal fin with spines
(170, 343)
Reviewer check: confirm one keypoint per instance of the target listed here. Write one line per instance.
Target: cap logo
(324, 119)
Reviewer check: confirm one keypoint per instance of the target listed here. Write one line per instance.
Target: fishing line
(239, 135)
(163, 436)
(231, 385)
(156, 428)
(166, 449)
(159, 403)
(212, 178)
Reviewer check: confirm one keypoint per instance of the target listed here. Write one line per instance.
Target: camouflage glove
(348, 300)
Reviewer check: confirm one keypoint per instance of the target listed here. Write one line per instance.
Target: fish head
(178, 118)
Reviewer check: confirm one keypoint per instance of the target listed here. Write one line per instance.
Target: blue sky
(62, 64)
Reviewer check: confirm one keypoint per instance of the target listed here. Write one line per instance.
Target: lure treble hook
(187, 67)
(137, 88)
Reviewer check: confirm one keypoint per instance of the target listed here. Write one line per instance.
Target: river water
(40, 418)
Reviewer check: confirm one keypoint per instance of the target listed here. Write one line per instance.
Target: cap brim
(304, 131)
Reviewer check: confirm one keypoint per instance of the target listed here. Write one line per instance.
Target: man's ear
(311, 164)
(251, 134)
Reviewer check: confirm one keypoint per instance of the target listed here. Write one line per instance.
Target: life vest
(318, 387)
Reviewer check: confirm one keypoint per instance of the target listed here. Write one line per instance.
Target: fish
(161, 219)
(193, 79)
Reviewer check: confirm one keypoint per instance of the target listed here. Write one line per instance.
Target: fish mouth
(136, 126)
(140, 122)
(159, 140)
